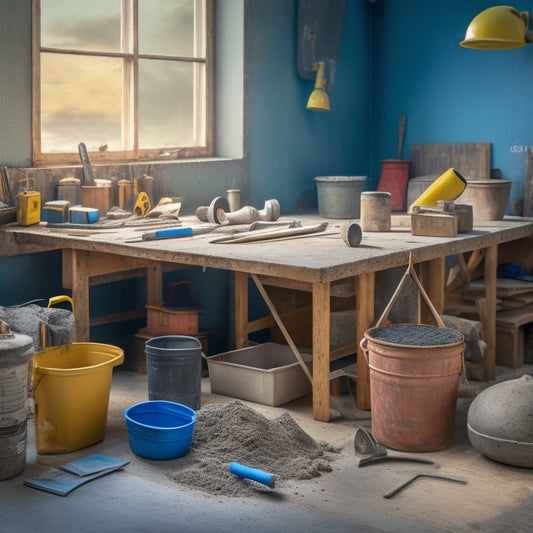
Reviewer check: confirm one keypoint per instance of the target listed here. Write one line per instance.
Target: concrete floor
(496, 497)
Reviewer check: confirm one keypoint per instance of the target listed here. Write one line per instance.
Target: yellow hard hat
(497, 28)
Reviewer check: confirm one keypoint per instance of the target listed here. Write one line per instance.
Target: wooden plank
(118, 317)
(364, 310)
(518, 301)
(515, 317)
(271, 281)
(432, 275)
(509, 347)
(101, 264)
(154, 284)
(472, 160)
(321, 307)
(505, 288)
(80, 295)
(241, 309)
(281, 326)
(491, 265)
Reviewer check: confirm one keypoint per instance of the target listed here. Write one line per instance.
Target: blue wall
(449, 93)
(288, 144)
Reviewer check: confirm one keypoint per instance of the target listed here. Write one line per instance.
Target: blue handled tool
(170, 233)
(253, 473)
(167, 233)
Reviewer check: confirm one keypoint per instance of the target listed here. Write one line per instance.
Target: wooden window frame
(131, 121)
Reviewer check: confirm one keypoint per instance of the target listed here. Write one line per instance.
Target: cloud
(102, 33)
(83, 85)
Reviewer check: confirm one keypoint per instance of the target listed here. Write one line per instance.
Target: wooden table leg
(154, 284)
(364, 312)
(491, 272)
(321, 317)
(80, 295)
(432, 276)
(241, 309)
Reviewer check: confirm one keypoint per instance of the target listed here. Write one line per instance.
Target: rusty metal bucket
(414, 378)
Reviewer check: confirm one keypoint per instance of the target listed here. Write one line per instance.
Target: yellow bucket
(71, 385)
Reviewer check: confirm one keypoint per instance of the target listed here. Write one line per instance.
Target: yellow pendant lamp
(319, 99)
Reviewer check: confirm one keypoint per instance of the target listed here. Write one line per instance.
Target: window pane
(81, 101)
(167, 27)
(93, 25)
(166, 104)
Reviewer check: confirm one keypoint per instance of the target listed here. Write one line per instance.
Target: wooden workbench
(309, 263)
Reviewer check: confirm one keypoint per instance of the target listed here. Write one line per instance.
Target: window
(132, 79)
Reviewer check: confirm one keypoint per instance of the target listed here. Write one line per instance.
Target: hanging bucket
(414, 377)
(174, 369)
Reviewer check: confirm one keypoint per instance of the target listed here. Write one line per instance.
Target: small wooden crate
(510, 335)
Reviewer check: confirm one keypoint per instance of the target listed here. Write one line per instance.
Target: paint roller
(448, 186)
(253, 473)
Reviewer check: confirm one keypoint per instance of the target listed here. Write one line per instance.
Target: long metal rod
(407, 483)
(277, 318)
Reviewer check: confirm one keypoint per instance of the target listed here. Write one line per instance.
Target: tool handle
(253, 473)
(88, 178)
(167, 234)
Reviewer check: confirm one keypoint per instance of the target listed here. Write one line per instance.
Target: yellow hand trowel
(449, 186)
(142, 205)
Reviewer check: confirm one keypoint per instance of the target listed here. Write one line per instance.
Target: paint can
(69, 189)
(234, 199)
(394, 178)
(174, 369)
(15, 352)
(375, 211)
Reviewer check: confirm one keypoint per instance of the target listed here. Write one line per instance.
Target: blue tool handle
(167, 234)
(253, 473)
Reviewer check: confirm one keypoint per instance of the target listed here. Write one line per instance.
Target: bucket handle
(52, 301)
(364, 347)
(61, 298)
(410, 272)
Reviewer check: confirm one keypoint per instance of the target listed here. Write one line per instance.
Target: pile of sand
(235, 432)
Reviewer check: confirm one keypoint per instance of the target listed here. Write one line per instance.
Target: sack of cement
(29, 320)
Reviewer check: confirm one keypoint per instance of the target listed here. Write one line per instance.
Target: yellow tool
(28, 202)
(142, 205)
(448, 186)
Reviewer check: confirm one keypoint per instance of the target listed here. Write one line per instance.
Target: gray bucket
(339, 196)
(174, 369)
(15, 352)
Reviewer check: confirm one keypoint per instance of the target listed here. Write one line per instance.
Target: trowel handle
(253, 473)
(167, 234)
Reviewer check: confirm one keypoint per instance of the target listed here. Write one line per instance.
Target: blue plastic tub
(159, 429)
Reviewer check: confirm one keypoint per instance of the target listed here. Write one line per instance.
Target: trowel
(365, 444)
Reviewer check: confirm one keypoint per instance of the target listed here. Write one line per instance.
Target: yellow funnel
(449, 186)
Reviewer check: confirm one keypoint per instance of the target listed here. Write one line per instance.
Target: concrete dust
(235, 432)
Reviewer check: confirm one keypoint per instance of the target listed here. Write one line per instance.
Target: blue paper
(70, 476)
